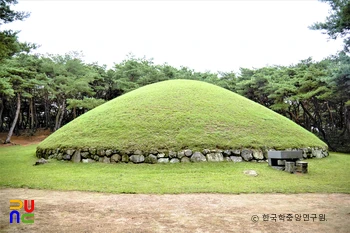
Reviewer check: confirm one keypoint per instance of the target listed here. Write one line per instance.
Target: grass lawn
(178, 114)
(328, 175)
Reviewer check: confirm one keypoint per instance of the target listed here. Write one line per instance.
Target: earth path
(74, 211)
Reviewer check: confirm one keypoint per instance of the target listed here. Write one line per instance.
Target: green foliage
(88, 103)
(327, 175)
(338, 22)
(177, 114)
(8, 15)
(9, 44)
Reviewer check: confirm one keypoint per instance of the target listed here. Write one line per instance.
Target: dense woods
(48, 91)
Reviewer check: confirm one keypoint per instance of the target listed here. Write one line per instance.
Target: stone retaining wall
(90, 155)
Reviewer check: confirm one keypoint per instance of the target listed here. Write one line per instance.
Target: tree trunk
(31, 110)
(330, 115)
(8, 139)
(62, 114)
(59, 116)
(74, 112)
(1, 111)
(35, 117)
(57, 119)
(47, 112)
(347, 119)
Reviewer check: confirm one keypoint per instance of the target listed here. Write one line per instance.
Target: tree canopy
(48, 91)
(338, 22)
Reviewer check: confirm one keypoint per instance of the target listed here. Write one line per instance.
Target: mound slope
(179, 114)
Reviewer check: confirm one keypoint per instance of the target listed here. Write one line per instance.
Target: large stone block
(76, 157)
(258, 154)
(137, 158)
(163, 160)
(198, 157)
(174, 160)
(236, 159)
(215, 157)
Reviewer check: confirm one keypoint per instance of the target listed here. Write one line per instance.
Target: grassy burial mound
(177, 115)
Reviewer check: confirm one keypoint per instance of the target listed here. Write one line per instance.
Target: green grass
(178, 114)
(328, 175)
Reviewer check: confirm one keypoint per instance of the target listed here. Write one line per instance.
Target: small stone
(236, 152)
(100, 159)
(227, 159)
(115, 158)
(151, 159)
(163, 160)
(88, 161)
(325, 153)
(174, 160)
(154, 152)
(185, 160)
(108, 152)
(125, 158)
(84, 154)
(40, 161)
(317, 153)
(106, 159)
(172, 154)
(250, 173)
(96, 157)
(180, 154)
(137, 152)
(236, 159)
(101, 153)
(198, 157)
(258, 154)
(70, 152)
(188, 153)
(60, 156)
(92, 151)
(227, 153)
(247, 155)
(161, 155)
(66, 157)
(206, 151)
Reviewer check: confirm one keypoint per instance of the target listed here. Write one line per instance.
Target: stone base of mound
(90, 155)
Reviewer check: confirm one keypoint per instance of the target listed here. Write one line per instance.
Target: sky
(202, 35)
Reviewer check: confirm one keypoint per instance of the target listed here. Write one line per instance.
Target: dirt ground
(58, 211)
(25, 139)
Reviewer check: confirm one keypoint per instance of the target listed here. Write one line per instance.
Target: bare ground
(25, 139)
(73, 211)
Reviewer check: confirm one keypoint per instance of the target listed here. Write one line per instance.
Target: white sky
(202, 35)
